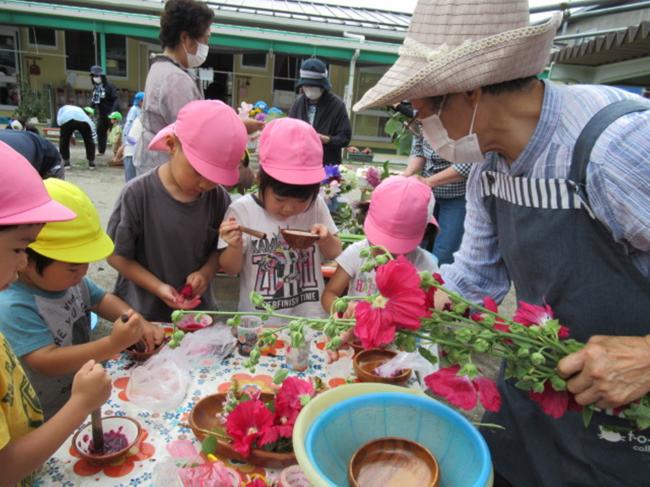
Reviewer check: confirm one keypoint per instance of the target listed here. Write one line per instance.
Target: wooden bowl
(392, 462)
(82, 438)
(356, 346)
(298, 239)
(134, 353)
(368, 360)
(204, 418)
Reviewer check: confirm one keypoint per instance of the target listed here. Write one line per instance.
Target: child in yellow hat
(45, 314)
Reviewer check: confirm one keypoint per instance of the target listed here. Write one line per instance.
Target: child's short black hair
(302, 192)
(40, 261)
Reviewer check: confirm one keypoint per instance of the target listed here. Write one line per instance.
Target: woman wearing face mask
(322, 109)
(170, 85)
(105, 101)
(558, 206)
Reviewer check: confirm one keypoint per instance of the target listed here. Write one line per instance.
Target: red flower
(431, 292)
(491, 305)
(463, 392)
(401, 304)
(554, 403)
(247, 423)
(295, 392)
(257, 482)
(187, 291)
(531, 314)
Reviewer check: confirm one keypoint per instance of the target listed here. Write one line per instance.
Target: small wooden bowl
(298, 239)
(367, 361)
(393, 461)
(137, 356)
(356, 346)
(204, 418)
(83, 436)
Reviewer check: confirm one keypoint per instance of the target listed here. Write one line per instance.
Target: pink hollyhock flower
(247, 423)
(256, 482)
(491, 305)
(295, 392)
(532, 314)
(463, 392)
(401, 304)
(554, 403)
(290, 399)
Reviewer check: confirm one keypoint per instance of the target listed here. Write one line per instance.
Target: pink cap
(23, 197)
(400, 209)
(291, 151)
(213, 138)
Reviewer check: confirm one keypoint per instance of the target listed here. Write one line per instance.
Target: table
(66, 468)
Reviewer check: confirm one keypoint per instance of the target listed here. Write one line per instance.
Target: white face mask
(312, 92)
(195, 60)
(461, 151)
(97, 79)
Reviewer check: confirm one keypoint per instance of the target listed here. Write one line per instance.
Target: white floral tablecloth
(67, 468)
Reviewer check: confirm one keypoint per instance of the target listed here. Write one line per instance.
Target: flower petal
(374, 327)
(554, 403)
(488, 393)
(457, 390)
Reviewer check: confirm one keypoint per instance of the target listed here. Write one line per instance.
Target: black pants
(67, 131)
(103, 124)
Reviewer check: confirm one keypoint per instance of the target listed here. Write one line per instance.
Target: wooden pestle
(251, 232)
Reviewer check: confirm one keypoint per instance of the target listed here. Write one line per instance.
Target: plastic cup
(247, 334)
(298, 357)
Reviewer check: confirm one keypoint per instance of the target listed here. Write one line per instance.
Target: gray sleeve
(124, 225)
(177, 92)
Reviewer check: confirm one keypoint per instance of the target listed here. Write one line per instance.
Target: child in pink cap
(25, 442)
(165, 223)
(291, 171)
(400, 209)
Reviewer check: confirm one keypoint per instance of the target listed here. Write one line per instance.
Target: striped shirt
(618, 182)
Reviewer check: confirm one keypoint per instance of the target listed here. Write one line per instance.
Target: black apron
(556, 252)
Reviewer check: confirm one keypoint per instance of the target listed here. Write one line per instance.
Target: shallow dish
(190, 323)
(298, 239)
(134, 353)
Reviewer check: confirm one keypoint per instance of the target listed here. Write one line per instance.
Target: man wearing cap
(558, 205)
(39, 151)
(322, 109)
(105, 101)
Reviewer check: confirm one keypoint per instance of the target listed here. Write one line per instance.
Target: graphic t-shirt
(32, 319)
(290, 280)
(20, 411)
(363, 283)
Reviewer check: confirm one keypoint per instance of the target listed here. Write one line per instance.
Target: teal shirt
(32, 319)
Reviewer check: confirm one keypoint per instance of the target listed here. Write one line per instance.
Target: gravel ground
(104, 184)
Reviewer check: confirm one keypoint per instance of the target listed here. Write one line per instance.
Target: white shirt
(363, 283)
(290, 280)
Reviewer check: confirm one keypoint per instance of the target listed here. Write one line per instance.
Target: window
(80, 49)
(42, 37)
(254, 60)
(9, 92)
(116, 59)
(286, 72)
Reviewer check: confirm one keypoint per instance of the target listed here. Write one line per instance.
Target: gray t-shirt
(169, 238)
(169, 88)
(32, 319)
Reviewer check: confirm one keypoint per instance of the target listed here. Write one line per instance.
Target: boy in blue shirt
(45, 314)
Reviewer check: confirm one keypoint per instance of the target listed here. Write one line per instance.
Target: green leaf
(280, 375)
(428, 355)
(209, 445)
(392, 126)
(587, 413)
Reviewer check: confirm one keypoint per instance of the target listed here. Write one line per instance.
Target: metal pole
(594, 33)
(610, 10)
(568, 5)
(102, 50)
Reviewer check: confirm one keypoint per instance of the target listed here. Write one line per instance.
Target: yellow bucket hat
(77, 241)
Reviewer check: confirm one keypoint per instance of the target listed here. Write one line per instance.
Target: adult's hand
(609, 371)
(325, 139)
(253, 125)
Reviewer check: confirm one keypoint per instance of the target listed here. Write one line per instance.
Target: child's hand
(230, 233)
(152, 335)
(91, 386)
(199, 282)
(253, 125)
(169, 295)
(126, 334)
(322, 231)
(347, 314)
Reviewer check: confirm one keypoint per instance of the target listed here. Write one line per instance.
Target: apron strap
(590, 134)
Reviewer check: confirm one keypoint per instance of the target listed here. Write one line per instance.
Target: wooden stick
(254, 233)
(98, 431)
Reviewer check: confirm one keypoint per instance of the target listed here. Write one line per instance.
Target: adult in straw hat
(558, 204)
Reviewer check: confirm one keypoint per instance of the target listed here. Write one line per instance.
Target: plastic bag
(405, 360)
(159, 384)
(215, 342)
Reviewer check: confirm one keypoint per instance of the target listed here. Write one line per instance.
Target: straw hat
(459, 45)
